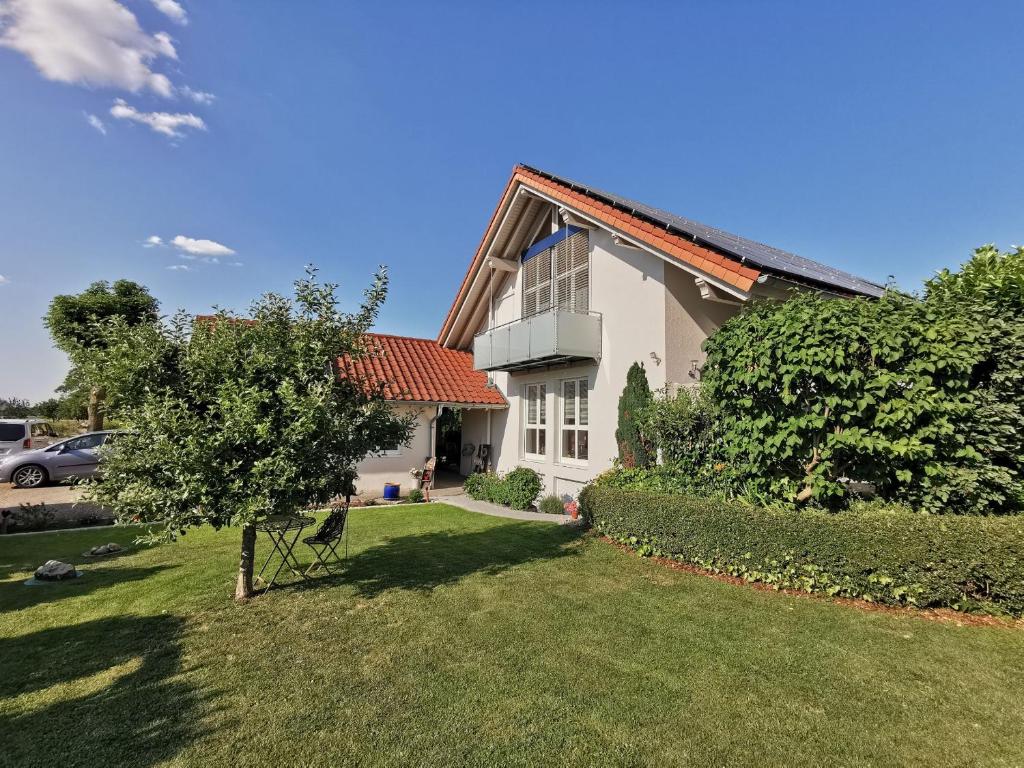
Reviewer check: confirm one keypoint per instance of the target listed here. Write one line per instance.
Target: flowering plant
(417, 473)
(572, 509)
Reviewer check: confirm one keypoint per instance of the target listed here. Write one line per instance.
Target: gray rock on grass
(55, 570)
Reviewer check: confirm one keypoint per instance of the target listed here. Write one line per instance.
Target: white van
(18, 435)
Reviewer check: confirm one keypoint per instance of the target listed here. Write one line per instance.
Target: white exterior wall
(689, 320)
(375, 471)
(628, 289)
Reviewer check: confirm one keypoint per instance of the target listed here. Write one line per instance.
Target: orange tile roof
(723, 267)
(422, 371)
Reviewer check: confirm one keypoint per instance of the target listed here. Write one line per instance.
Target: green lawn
(459, 639)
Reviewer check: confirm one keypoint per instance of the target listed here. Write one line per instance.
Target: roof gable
(728, 259)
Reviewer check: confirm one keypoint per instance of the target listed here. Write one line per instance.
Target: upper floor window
(558, 275)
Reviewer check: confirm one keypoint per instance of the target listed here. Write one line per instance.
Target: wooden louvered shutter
(543, 280)
(537, 284)
(579, 258)
(572, 273)
(563, 287)
(529, 288)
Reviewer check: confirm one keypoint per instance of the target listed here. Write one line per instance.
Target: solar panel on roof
(758, 254)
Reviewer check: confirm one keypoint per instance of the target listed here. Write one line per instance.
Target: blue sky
(882, 138)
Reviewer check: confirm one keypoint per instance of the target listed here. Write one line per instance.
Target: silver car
(77, 457)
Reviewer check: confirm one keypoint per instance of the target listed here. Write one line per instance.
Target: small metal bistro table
(277, 528)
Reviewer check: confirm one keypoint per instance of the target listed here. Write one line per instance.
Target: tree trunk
(95, 409)
(243, 588)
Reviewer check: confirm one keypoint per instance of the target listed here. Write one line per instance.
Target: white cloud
(209, 248)
(162, 122)
(87, 42)
(95, 122)
(172, 10)
(180, 268)
(199, 97)
(152, 241)
(4, 280)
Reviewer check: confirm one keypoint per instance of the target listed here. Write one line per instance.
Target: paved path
(496, 510)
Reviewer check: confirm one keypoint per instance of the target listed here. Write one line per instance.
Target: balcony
(555, 336)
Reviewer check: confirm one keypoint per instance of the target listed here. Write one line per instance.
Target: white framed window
(535, 421)
(574, 441)
(392, 450)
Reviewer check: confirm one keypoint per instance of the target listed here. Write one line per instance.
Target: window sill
(574, 463)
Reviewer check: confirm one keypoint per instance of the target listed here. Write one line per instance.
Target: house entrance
(448, 440)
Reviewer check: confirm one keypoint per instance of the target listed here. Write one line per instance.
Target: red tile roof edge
(415, 370)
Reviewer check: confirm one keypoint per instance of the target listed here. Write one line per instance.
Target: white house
(569, 286)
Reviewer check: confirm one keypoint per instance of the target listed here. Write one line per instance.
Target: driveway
(58, 505)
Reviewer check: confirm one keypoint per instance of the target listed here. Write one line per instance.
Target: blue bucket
(392, 491)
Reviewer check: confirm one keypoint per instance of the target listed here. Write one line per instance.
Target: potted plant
(572, 509)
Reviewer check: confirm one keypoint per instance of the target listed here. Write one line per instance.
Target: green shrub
(896, 556)
(477, 485)
(522, 487)
(706, 479)
(922, 398)
(812, 390)
(635, 449)
(551, 505)
(415, 496)
(989, 290)
(486, 486)
(518, 489)
(684, 427)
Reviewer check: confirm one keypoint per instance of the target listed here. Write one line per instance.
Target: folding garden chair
(325, 541)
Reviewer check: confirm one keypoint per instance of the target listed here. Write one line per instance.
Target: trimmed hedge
(895, 557)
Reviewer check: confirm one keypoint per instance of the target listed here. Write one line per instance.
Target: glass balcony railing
(554, 336)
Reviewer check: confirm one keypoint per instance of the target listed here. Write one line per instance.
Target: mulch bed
(947, 615)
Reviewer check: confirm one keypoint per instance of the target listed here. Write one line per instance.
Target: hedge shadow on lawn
(423, 562)
(140, 716)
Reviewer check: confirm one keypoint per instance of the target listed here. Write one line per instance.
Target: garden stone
(104, 549)
(55, 570)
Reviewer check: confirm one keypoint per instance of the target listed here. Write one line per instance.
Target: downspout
(431, 454)
(490, 458)
(490, 325)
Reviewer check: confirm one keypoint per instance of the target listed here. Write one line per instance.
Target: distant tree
(14, 408)
(231, 420)
(73, 402)
(635, 450)
(48, 409)
(76, 323)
